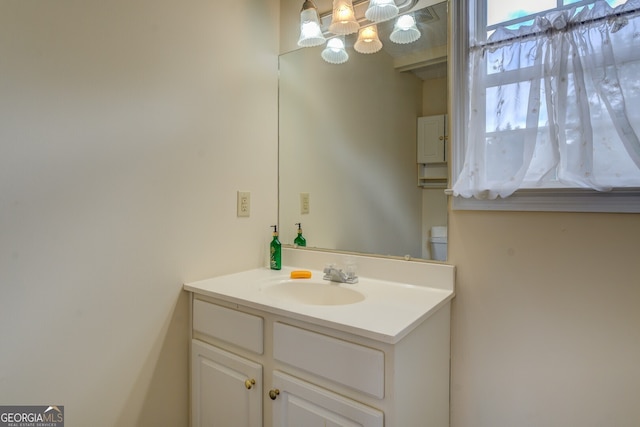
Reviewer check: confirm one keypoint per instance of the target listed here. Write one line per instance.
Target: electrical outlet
(304, 203)
(244, 203)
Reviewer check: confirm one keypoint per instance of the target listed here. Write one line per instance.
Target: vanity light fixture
(310, 31)
(335, 52)
(343, 19)
(368, 40)
(381, 10)
(346, 17)
(405, 30)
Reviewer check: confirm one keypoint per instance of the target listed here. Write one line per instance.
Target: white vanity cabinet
(226, 388)
(300, 403)
(256, 367)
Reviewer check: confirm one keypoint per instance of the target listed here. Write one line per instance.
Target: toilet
(438, 241)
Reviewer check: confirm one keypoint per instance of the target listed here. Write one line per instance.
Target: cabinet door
(226, 389)
(300, 403)
(432, 139)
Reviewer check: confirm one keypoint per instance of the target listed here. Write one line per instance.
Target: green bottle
(275, 251)
(299, 241)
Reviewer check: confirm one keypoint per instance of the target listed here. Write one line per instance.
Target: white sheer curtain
(556, 104)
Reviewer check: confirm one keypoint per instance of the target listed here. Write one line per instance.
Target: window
(553, 105)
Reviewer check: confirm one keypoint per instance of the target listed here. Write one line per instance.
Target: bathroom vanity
(272, 351)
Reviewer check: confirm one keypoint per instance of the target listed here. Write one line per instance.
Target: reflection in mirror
(348, 140)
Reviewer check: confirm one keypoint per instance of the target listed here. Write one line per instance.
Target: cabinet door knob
(249, 383)
(441, 138)
(273, 393)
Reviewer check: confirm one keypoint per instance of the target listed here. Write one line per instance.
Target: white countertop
(389, 311)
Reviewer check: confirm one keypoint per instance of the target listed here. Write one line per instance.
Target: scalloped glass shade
(381, 10)
(310, 31)
(405, 30)
(343, 19)
(368, 41)
(335, 52)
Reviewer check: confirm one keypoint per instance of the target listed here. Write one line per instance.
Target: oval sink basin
(313, 293)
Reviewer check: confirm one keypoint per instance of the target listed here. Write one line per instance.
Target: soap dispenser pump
(275, 251)
(299, 240)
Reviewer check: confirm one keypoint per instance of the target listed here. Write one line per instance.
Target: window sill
(558, 200)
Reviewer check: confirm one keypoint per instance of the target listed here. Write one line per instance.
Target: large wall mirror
(347, 139)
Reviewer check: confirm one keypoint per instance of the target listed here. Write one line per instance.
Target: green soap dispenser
(275, 251)
(299, 240)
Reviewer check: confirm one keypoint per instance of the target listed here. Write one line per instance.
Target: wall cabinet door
(226, 389)
(299, 403)
(432, 139)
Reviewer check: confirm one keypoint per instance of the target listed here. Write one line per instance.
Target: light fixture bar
(360, 7)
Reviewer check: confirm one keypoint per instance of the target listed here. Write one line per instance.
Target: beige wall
(126, 130)
(546, 321)
(434, 96)
(348, 138)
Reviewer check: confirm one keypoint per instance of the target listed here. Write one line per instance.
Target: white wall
(126, 129)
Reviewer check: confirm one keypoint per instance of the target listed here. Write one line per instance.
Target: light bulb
(335, 52)
(368, 41)
(310, 32)
(405, 30)
(343, 19)
(405, 22)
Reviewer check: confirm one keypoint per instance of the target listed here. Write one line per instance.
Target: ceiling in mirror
(431, 22)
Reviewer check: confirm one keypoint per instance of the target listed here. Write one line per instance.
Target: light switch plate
(304, 203)
(244, 204)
